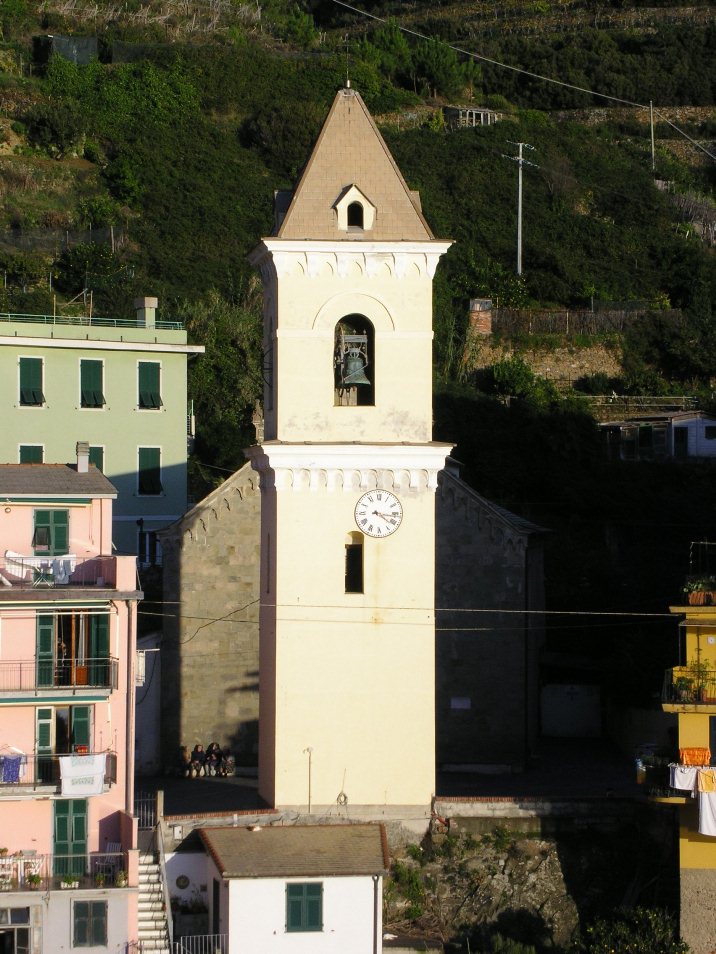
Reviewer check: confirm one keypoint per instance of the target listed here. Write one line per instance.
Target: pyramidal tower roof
(350, 152)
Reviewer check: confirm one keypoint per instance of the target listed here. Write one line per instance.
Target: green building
(121, 386)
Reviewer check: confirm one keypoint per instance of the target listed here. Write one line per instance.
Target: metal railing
(689, 685)
(18, 769)
(165, 886)
(29, 871)
(19, 570)
(145, 810)
(35, 674)
(86, 321)
(202, 944)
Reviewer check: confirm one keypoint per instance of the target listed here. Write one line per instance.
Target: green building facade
(119, 385)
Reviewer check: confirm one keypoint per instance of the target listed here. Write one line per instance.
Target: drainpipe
(376, 901)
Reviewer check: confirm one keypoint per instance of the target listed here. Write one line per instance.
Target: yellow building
(690, 692)
(348, 477)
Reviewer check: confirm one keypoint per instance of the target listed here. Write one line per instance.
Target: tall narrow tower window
(354, 563)
(354, 356)
(355, 215)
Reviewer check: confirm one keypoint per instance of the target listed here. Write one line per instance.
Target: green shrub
(634, 931)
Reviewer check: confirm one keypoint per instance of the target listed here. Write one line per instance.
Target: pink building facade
(68, 838)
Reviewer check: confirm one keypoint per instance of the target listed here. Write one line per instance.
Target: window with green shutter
(52, 532)
(150, 395)
(96, 457)
(149, 479)
(89, 924)
(31, 394)
(91, 384)
(31, 453)
(304, 906)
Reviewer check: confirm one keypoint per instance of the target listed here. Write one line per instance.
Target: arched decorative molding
(348, 303)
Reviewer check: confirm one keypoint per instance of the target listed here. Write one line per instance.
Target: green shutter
(304, 907)
(96, 457)
(149, 479)
(45, 650)
(31, 453)
(31, 382)
(313, 913)
(98, 922)
(149, 384)
(52, 532)
(99, 651)
(80, 731)
(70, 844)
(91, 389)
(81, 918)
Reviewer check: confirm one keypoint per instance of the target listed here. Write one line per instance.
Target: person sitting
(185, 761)
(214, 759)
(198, 760)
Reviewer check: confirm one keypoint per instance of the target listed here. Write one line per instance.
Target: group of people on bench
(210, 762)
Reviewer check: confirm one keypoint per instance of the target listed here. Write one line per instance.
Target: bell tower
(348, 474)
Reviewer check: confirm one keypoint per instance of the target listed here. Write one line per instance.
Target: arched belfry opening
(354, 362)
(354, 215)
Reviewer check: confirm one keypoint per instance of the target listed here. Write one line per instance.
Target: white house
(304, 889)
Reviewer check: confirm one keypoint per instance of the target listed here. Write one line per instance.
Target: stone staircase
(153, 934)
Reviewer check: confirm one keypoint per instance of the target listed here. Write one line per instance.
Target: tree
(226, 381)
(436, 65)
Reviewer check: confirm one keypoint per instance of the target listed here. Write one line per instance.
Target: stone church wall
(211, 632)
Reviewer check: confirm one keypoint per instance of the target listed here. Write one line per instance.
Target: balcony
(689, 687)
(20, 773)
(22, 572)
(29, 871)
(85, 321)
(36, 676)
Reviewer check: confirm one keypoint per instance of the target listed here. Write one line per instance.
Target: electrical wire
(532, 75)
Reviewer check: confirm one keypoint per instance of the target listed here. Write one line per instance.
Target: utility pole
(521, 161)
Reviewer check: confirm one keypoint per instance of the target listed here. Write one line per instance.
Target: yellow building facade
(690, 692)
(348, 477)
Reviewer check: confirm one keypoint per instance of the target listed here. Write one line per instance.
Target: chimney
(146, 312)
(82, 457)
(480, 320)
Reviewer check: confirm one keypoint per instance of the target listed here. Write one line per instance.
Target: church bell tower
(348, 476)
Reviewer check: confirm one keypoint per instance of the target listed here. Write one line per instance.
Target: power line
(532, 75)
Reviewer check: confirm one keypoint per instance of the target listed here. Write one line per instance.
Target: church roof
(350, 151)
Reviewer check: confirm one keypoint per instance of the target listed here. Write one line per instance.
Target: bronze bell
(354, 369)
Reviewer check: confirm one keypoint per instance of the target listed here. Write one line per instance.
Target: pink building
(68, 858)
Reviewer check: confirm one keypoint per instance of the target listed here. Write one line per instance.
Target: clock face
(378, 513)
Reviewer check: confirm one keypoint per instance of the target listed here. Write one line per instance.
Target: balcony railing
(28, 871)
(86, 321)
(202, 944)
(31, 675)
(689, 685)
(17, 770)
(19, 570)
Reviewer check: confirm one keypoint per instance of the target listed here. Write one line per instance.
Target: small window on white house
(460, 702)
(710, 432)
(354, 211)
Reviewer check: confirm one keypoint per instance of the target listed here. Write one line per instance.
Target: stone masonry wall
(210, 649)
(698, 909)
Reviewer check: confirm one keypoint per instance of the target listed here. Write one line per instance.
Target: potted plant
(34, 880)
(69, 881)
(100, 878)
(3, 852)
(120, 879)
(700, 672)
(684, 689)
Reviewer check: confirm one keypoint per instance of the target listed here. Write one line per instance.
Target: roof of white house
(298, 851)
(53, 480)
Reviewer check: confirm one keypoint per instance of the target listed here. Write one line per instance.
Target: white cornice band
(349, 467)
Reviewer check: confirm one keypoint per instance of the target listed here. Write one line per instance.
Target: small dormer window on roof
(356, 213)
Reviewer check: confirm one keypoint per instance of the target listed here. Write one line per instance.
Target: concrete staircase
(153, 934)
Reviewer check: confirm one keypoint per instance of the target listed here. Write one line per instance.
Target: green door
(45, 639)
(70, 841)
(99, 651)
(44, 747)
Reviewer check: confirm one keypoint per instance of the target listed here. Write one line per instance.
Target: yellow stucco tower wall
(347, 672)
